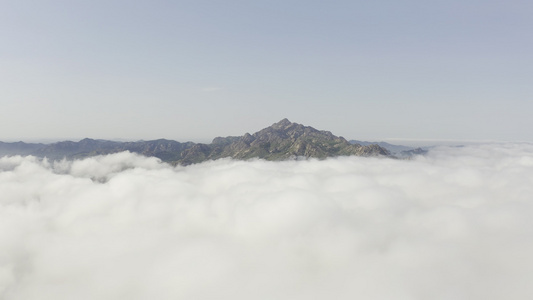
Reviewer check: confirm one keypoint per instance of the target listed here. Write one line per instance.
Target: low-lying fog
(455, 224)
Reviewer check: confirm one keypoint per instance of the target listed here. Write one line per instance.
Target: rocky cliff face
(281, 141)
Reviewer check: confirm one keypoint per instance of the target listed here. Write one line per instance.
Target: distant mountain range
(281, 141)
(396, 150)
(392, 148)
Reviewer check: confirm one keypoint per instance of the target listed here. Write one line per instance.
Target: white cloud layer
(456, 224)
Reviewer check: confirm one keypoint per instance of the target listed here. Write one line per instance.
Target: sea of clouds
(455, 224)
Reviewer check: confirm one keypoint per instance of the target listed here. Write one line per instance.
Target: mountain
(18, 148)
(412, 152)
(399, 151)
(81, 149)
(394, 149)
(280, 141)
(166, 150)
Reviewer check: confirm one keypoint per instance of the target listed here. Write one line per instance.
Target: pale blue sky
(193, 70)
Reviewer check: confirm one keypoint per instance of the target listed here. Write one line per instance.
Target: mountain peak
(282, 124)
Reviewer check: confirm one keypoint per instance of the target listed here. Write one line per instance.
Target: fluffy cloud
(455, 224)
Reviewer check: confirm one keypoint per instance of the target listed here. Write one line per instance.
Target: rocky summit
(280, 141)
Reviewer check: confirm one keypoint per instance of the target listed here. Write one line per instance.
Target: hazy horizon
(397, 140)
(393, 141)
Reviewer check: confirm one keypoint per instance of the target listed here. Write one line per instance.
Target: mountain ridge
(280, 141)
